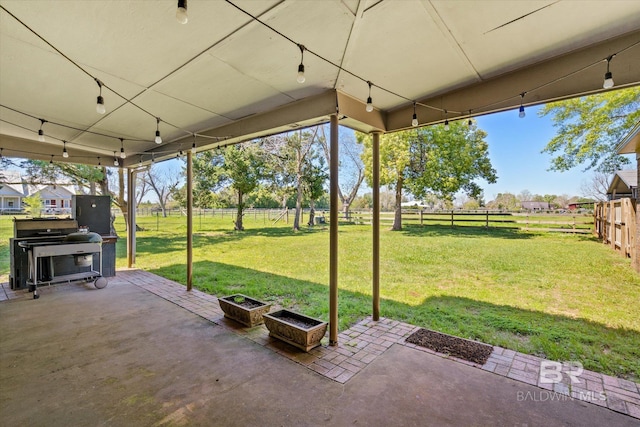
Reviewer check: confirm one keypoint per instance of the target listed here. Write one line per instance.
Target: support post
(131, 218)
(635, 251)
(189, 220)
(375, 222)
(333, 232)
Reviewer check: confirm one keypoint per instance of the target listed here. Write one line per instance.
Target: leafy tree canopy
(432, 160)
(589, 128)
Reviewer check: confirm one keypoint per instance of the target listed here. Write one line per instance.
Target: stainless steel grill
(55, 252)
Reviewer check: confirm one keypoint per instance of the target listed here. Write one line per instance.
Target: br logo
(553, 372)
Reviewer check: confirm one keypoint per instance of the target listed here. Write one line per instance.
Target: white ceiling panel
(233, 65)
(497, 39)
(429, 62)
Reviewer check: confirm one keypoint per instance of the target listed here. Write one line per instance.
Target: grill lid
(84, 237)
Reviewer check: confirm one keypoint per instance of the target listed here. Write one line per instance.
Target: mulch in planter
(457, 347)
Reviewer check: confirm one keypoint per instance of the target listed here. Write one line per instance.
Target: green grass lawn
(562, 297)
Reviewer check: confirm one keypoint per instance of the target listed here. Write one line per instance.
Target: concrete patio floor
(126, 356)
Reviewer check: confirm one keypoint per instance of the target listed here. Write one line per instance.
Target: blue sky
(515, 146)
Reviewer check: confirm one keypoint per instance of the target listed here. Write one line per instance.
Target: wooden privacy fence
(615, 225)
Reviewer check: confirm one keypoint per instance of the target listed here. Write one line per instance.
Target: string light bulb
(65, 153)
(123, 155)
(414, 120)
(100, 102)
(115, 160)
(521, 113)
(99, 164)
(51, 161)
(301, 78)
(158, 139)
(369, 106)
(40, 131)
(470, 122)
(193, 146)
(446, 121)
(181, 13)
(608, 76)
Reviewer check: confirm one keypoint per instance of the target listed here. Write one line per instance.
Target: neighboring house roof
(55, 191)
(7, 190)
(623, 182)
(535, 205)
(631, 142)
(13, 184)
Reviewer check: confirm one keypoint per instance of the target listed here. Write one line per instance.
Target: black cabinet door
(93, 212)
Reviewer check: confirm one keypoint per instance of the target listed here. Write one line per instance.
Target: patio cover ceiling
(229, 77)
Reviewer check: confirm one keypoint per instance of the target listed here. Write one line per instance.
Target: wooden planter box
(243, 309)
(301, 331)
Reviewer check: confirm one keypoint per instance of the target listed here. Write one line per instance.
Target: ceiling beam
(574, 74)
(16, 147)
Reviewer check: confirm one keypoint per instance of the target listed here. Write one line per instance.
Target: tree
(589, 128)
(432, 160)
(315, 176)
(561, 201)
(163, 184)
(470, 204)
(207, 167)
(242, 171)
(293, 166)
(597, 187)
(395, 162)
(352, 169)
(525, 196)
(279, 167)
(507, 201)
(34, 205)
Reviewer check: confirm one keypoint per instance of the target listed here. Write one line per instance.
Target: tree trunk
(238, 223)
(296, 220)
(120, 200)
(397, 218)
(346, 203)
(312, 213)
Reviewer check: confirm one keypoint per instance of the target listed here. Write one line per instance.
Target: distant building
(623, 184)
(535, 206)
(12, 190)
(56, 199)
(581, 205)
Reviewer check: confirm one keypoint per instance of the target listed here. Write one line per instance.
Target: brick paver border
(363, 342)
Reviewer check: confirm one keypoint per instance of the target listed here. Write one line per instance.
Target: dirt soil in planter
(245, 303)
(457, 347)
(297, 322)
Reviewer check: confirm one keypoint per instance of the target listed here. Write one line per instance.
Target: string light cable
(339, 67)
